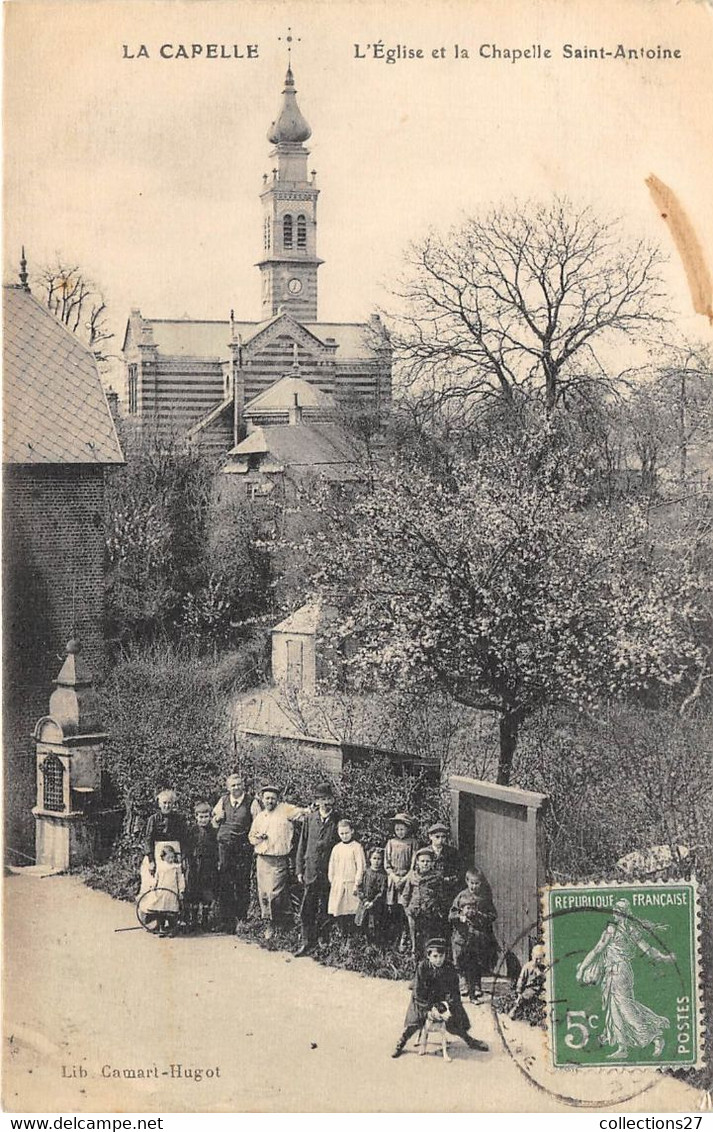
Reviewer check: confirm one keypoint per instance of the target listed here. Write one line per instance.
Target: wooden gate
(500, 830)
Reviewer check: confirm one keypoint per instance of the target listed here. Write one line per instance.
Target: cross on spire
(289, 39)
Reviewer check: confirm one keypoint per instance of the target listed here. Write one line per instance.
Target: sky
(147, 171)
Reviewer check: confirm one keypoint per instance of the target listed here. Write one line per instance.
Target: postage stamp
(623, 979)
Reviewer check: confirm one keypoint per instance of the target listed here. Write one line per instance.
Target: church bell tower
(289, 200)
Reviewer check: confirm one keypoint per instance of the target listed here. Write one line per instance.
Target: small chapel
(214, 381)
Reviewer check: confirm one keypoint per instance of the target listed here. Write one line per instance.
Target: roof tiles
(56, 411)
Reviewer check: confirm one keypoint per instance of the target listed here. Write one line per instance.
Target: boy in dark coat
(473, 942)
(436, 981)
(202, 869)
(446, 860)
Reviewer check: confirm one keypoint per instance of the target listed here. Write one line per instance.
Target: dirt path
(284, 1034)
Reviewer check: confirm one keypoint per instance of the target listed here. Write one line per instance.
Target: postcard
(358, 389)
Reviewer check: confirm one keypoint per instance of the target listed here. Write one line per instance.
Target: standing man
(271, 834)
(232, 817)
(317, 839)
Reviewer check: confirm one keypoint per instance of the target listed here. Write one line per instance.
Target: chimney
(296, 411)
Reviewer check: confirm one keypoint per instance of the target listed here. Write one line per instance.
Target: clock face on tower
(294, 286)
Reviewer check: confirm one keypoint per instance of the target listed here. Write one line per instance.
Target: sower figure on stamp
(627, 1022)
(436, 981)
(317, 839)
(232, 817)
(473, 942)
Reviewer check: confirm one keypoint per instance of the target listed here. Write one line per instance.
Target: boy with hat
(271, 834)
(446, 860)
(318, 837)
(436, 981)
(398, 861)
(426, 910)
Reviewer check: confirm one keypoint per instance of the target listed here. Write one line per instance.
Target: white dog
(435, 1023)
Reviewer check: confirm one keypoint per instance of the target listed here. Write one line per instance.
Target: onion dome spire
(290, 127)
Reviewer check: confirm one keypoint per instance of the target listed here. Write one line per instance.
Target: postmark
(623, 987)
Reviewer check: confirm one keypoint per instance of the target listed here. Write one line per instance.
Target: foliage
(521, 300)
(629, 780)
(179, 564)
(502, 584)
(164, 710)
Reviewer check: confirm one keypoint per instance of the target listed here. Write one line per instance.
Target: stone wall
(53, 585)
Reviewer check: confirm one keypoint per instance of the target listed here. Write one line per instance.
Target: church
(207, 380)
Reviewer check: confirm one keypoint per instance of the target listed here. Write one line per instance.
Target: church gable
(282, 347)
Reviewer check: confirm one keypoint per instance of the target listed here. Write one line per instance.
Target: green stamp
(623, 974)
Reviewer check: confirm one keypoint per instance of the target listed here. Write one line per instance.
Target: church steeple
(289, 198)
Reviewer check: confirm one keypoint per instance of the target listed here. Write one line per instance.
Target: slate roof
(56, 411)
(199, 338)
(320, 447)
(281, 395)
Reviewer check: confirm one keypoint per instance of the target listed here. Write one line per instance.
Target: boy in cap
(398, 862)
(436, 981)
(271, 834)
(446, 860)
(426, 911)
(318, 837)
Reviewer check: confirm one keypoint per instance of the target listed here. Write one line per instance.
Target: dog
(435, 1023)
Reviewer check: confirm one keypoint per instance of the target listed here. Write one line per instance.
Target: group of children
(402, 896)
(405, 896)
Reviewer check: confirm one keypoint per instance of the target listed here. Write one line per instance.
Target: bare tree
(77, 302)
(520, 301)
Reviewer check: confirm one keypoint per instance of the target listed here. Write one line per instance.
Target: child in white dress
(347, 865)
(162, 903)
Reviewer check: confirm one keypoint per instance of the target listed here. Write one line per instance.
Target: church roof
(204, 338)
(194, 338)
(55, 408)
(281, 395)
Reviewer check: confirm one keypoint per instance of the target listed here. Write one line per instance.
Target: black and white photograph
(357, 530)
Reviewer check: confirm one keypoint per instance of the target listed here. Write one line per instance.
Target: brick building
(59, 438)
(198, 376)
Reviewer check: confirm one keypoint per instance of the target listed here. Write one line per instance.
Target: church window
(133, 388)
(301, 231)
(268, 233)
(287, 231)
(53, 785)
